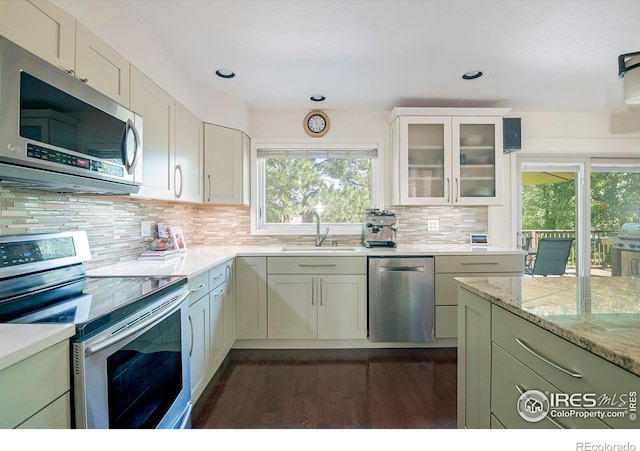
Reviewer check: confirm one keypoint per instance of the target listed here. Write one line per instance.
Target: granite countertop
(198, 259)
(599, 314)
(19, 341)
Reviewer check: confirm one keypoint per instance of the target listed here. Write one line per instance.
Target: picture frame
(479, 239)
(178, 238)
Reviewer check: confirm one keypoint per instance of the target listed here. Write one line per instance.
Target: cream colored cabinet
(226, 166)
(446, 156)
(474, 361)
(317, 298)
(54, 35)
(172, 144)
(199, 334)
(448, 267)
(189, 156)
(35, 392)
(229, 307)
(251, 297)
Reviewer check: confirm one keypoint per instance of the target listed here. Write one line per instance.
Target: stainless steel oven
(134, 374)
(131, 346)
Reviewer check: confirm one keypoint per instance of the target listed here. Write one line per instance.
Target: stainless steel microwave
(59, 134)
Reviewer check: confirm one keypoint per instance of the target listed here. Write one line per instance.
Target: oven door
(136, 373)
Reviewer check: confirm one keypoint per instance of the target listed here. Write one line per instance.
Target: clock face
(316, 123)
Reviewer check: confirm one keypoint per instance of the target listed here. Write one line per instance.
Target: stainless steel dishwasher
(401, 299)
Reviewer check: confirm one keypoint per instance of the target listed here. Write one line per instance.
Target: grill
(626, 251)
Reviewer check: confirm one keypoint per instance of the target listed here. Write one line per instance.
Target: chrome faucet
(319, 239)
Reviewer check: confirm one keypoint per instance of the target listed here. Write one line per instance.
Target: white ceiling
(536, 55)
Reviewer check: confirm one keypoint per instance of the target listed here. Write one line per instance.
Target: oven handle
(104, 344)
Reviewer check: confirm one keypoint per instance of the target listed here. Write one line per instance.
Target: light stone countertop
(19, 341)
(198, 259)
(599, 314)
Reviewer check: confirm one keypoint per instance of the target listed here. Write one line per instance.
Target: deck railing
(601, 241)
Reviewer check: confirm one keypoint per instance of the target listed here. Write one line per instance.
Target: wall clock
(316, 123)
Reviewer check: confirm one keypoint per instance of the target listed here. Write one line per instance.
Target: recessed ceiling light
(317, 98)
(225, 73)
(472, 74)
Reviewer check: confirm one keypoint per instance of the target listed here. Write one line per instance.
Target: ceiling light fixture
(629, 70)
(318, 98)
(225, 73)
(472, 74)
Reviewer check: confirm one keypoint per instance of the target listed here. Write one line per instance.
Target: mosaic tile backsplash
(113, 223)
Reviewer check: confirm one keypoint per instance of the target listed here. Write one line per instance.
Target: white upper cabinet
(42, 28)
(446, 156)
(226, 165)
(189, 159)
(54, 35)
(100, 66)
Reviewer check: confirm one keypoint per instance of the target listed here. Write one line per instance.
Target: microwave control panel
(55, 156)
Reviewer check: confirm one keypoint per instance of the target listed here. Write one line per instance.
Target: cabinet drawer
(217, 276)
(479, 263)
(198, 287)
(316, 265)
(56, 415)
(33, 383)
(447, 288)
(598, 375)
(446, 321)
(507, 375)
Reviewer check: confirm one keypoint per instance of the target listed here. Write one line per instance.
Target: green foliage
(294, 186)
(615, 200)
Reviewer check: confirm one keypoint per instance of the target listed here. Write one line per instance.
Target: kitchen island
(574, 336)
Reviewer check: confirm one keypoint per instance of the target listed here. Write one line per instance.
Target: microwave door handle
(130, 128)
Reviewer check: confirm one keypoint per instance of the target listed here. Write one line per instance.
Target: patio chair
(551, 257)
(525, 247)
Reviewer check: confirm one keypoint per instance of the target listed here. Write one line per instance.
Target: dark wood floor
(338, 388)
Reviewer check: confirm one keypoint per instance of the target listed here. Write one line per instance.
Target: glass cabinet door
(477, 160)
(426, 165)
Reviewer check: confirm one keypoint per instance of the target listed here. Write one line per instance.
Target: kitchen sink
(319, 248)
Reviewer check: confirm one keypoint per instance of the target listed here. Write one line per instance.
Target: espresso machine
(378, 229)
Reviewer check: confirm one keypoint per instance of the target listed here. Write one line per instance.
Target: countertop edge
(616, 357)
(20, 341)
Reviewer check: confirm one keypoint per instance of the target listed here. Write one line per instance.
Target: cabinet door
(42, 28)
(158, 111)
(223, 162)
(216, 329)
(199, 349)
(477, 160)
(292, 309)
(251, 297)
(189, 160)
(474, 361)
(342, 309)
(100, 66)
(425, 160)
(229, 307)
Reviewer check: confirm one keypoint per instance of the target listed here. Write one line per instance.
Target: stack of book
(159, 255)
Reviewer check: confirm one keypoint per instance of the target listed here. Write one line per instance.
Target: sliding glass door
(586, 199)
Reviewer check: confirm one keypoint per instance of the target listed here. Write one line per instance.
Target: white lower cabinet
(229, 307)
(208, 302)
(251, 297)
(317, 298)
(448, 267)
(35, 392)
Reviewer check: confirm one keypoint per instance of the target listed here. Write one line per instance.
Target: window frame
(258, 227)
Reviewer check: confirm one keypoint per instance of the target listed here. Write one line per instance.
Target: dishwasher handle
(401, 268)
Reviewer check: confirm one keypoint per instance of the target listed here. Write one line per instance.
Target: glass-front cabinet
(446, 159)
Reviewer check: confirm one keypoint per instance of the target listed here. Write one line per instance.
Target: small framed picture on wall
(178, 238)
